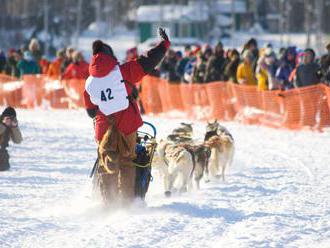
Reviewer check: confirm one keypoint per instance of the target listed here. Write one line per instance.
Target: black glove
(162, 33)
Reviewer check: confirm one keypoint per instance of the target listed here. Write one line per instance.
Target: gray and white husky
(175, 165)
(222, 146)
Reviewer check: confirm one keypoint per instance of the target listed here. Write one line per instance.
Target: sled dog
(175, 165)
(222, 146)
(182, 134)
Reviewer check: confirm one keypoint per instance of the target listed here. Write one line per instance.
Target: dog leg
(223, 168)
(169, 181)
(206, 174)
(214, 162)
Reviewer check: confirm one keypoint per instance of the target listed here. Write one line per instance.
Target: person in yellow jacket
(262, 74)
(245, 73)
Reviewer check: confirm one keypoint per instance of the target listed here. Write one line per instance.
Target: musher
(110, 99)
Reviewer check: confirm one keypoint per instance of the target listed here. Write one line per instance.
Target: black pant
(4, 160)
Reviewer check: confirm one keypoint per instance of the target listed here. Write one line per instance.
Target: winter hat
(60, 53)
(310, 50)
(268, 45)
(77, 56)
(252, 42)
(196, 50)
(100, 47)
(11, 51)
(9, 111)
(27, 55)
(268, 51)
(178, 54)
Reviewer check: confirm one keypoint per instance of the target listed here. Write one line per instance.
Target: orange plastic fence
(5, 78)
(294, 109)
(327, 93)
(149, 96)
(170, 96)
(301, 108)
(220, 95)
(74, 89)
(33, 90)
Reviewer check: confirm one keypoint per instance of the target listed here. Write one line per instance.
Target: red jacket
(128, 120)
(76, 71)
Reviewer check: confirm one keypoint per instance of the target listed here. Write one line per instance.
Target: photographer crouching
(9, 130)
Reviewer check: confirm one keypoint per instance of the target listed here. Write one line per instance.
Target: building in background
(65, 20)
(181, 20)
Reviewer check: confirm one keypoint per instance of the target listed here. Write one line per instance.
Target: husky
(182, 134)
(175, 165)
(185, 129)
(222, 146)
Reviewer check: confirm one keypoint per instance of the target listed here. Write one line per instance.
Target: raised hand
(162, 33)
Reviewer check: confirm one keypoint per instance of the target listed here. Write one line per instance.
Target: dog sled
(145, 150)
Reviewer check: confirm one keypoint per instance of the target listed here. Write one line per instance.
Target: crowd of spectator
(68, 64)
(263, 67)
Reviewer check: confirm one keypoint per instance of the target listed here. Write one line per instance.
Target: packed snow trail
(276, 193)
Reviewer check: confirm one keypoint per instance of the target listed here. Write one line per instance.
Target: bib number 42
(106, 95)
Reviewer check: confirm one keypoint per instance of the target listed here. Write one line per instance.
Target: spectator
(265, 71)
(216, 65)
(245, 73)
(2, 61)
(9, 130)
(55, 68)
(68, 58)
(11, 65)
(78, 69)
(272, 64)
(282, 52)
(286, 66)
(178, 55)
(252, 46)
(168, 67)
(299, 61)
(199, 69)
(180, 68)
(27, 65)
(44, 65)
(131, 54)
(262, 74)
(34, 48)
(309, 73)
(189, 69)
(231, 67)
(325, 66)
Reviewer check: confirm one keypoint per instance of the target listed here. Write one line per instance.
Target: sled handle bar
(152, 127)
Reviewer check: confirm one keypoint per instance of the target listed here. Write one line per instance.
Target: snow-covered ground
(276, 193)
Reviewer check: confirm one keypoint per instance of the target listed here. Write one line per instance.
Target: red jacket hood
(101, 65)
